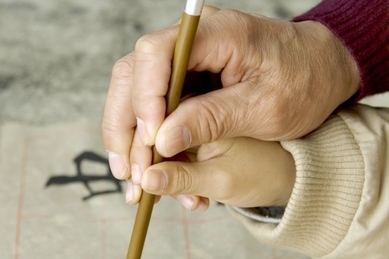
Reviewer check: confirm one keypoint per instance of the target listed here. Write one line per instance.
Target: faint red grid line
(102, 227)
(20, 216)
(274, 253)
(233, 241)
(21, 197)
(186, 233)
(63, 243)
(102, 222)
(118, 219)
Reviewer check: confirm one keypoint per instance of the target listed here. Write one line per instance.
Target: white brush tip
(194, 7)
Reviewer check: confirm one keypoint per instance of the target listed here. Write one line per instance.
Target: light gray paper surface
(66, 220)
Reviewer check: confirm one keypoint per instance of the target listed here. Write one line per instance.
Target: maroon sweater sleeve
(363, 26)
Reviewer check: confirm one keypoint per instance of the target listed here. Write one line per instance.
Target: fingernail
(129, 192)
(141, 127)
(155, 181)
(186, 200)
(177, 139)
(136, 173)
(117, 165)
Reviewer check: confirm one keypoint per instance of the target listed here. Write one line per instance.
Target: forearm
(363, 26)
(338, 207)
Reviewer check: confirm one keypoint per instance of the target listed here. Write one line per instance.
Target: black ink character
(86, 179)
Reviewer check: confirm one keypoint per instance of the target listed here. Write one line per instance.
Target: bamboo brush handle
(181, 57)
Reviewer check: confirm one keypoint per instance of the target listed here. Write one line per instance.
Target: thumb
(204, 119)
(183, 178)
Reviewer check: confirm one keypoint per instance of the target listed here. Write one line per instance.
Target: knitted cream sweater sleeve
(339, 205)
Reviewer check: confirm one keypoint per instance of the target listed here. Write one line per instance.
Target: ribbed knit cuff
(363, 26)
(326, 195)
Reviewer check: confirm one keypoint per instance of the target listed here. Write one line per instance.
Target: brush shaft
(181, 57)
(142, 219)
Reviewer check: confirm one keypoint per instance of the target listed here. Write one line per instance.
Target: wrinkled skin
(276, 80)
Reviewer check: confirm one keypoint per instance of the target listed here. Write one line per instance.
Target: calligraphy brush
(186, 35)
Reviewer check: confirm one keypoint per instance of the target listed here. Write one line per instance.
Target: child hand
(243, 172)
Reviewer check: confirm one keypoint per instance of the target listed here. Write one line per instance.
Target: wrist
(290, 177)
(331, 57)
(352, 72)
(277, 168)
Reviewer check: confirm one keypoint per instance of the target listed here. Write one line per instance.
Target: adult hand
(243, 172)
(280, 81)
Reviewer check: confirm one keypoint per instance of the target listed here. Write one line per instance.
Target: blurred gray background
(56, 56)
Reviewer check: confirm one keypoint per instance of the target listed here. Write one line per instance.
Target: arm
(338, 207)
(363, 26)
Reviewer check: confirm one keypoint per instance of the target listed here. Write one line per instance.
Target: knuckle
(183, 180)
(146, 44)
(230, 13)
(213, 122)
(208, 10)
(110, 127)
(123, 67)
(113, 123)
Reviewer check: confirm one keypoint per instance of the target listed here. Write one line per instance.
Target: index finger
(119, 121)
(152, 69)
